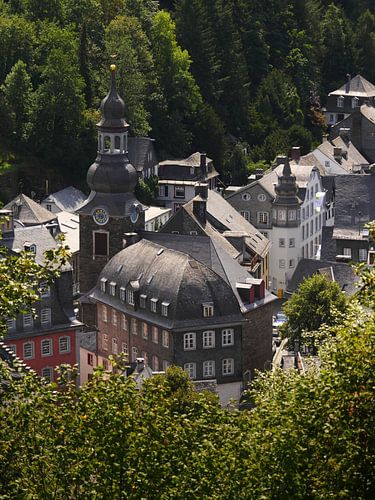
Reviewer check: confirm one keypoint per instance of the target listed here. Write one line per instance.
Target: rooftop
(357, 86)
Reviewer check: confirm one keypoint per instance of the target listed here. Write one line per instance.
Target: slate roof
(191, 161)
(342, 273)
(69, 199)
(354, 157)
(152, 212)
(328, 246)
(358, 86)
(368, 112)
(138, 148)
(33, 235)
(355, 194)
(222, 212)
(172, 277)
(28, 211)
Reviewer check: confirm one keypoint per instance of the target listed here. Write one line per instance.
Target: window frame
(190, 341)
(208, 373)
(208, 339)
(263, 218)
(225, 363)
(225, 332)
(68, 348)
(31, 344)
(46, 343)
(191, 369)
(45, 316)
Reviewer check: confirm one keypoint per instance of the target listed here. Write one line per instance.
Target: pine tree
(365, 44)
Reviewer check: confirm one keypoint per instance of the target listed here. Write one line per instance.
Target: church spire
(286, 202)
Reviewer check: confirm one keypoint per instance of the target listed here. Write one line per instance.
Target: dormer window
(340, 101)
(143, 301)
(164, 308)
(153, 305)
(208, 310)
(45, 290)
(112, 288)
(122, 293)
(130, 297)
(103, 284)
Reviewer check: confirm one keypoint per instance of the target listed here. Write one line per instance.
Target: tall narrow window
(189, 341)
(46, 347)
(100, 243)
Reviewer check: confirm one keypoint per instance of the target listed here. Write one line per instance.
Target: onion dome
(112, 107)
(112, 174)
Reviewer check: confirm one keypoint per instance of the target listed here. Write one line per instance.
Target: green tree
(51, 10)
(235, 168)
(147, 190)
(18, 101)
(365, 44)
(317, 301)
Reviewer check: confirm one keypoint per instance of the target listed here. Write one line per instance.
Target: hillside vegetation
(194, 74)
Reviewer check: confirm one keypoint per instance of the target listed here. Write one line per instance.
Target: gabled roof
(69, 199)
(69, 226)
(357, 86)
(340, 272)
(28, 211)
(353, 156)
(222, 212)
(191, 161)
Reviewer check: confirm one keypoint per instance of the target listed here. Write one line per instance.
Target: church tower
(111, 209)
(286, 229)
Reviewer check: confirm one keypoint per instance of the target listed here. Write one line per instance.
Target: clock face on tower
(100, 216)
(134, 213)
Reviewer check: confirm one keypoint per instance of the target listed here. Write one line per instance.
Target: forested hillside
(194, 74)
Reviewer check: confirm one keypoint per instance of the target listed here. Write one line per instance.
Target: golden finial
(113, 67)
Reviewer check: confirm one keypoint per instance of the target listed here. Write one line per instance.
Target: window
(245, 214)
(303, 232)
(189, 341)
(340, 102)
(155, 363)
(163, 191)
(28, 350)
(227, 337)
(362, 255)
(190, 369)
(49, 207)
(103, 284)
(281, 214)
(134, 326)
(282, 242)
(179, 191)
(45, 316)
(164, 309)
(246, 196)
(165, 338)
(208, 368)
(105, 342)
(124, 322)
(100, 243)
(292, 214)
(112, 288)
(11, 324)
(105, 365)
(122, 293)
(125, 349)
(114, 346)
(291, 263)
(347, 252)
(114, 317)
(64, 345)
(292, 242)
(153, 305)
(143, 301)
(155, 335)
(47, 373)
(208, 310)
(45, 290)
(130, 297)
(281, 263)
(355, 102)
(228, 366)
(145, 330)
(27, 320)
(208, 339)
(90, 359)
(327, 164)
(311, 227)
(261, 197)
(46, 347)
(193, 233)
(263, 217)
(104, 314)
(176, 208)
(134, 354)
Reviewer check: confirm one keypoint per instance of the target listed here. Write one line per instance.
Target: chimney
(203, 165)
(347, 85)
(280, 160)
(200, 202)
(344, 133)
(296, 154)
(7, 227)
(324, 138)
(258, 172)
(129, 239)
(140, 364)
(337, 154)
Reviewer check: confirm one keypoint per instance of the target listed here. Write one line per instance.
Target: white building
(156, 217)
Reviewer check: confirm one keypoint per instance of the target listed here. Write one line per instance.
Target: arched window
(107, 143)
